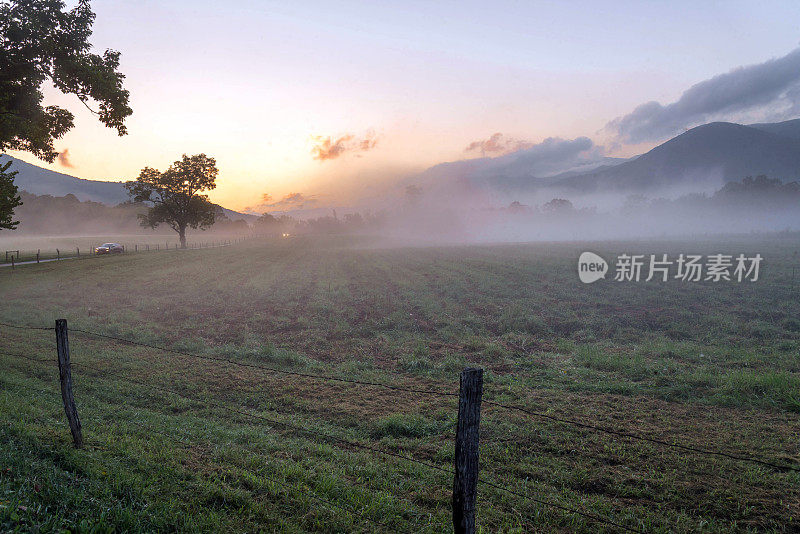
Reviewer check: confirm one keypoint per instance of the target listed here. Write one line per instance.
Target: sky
(325, 103)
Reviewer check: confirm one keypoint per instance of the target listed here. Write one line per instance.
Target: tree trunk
(182, 236)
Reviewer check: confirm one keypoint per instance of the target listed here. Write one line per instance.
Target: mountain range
(723, 151)
(707, 155)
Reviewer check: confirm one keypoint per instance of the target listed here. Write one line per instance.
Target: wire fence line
(193, 445)
(290, 426)
(265, 368)
(345, 443)
(339, 441)
(578, 424)
(325, 437)
(30, 256)
(656, 441)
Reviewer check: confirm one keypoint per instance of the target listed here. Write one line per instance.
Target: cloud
(770, 89)
(555, 155)
(64, 159)
(523, 171)
(327, 147)
(292, 201)
(497, 144)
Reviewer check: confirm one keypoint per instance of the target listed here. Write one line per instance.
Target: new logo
(591, 267)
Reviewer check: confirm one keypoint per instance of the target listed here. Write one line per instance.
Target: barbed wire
(352, 443)
(579, 424)
(268, 369)
(246, 413)
(27, 327)
(656, 441)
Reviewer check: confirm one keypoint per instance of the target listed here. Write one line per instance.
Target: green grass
(708, 365)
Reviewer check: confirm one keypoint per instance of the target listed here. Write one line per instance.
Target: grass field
(707, 365)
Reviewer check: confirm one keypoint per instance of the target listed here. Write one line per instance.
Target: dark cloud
(327, 147)
(64, 159)
(497, 144)
(771, 88)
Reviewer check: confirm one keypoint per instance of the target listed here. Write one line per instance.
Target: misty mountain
(519, 171)
(786, 128)
(39, 181)
(714, 154)
(700, 159)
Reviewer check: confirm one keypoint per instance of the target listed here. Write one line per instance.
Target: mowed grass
(175, 443)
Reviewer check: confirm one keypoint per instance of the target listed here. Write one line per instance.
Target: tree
(174, 196)
(39, 41)
(9, 199)
(557, 205)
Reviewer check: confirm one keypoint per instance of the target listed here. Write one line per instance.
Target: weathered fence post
(465, 480)
(58, 254)
(12, 262)
(65, 373)
(79, 251)
(136, 248)
(37, 255)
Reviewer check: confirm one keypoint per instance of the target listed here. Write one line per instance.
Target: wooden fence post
(465, 480)
(79, 251)
(37, 255)
(12, 262)
(58, 254)
(65, 373)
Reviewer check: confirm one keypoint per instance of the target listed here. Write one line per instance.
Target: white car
(109, 248)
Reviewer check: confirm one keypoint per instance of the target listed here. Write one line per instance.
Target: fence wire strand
(26, 327)
(656, 441)
(350, 443)
(329, 437)
(579, 424)
(268, 369)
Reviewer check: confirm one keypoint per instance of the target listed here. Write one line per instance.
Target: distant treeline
(754, 203)
(751, 194)
(350, 223)
(51, 215)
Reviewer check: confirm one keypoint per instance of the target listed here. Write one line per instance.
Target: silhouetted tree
(558, 205)
(9, 199)
(41, 41)
(175, 194)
